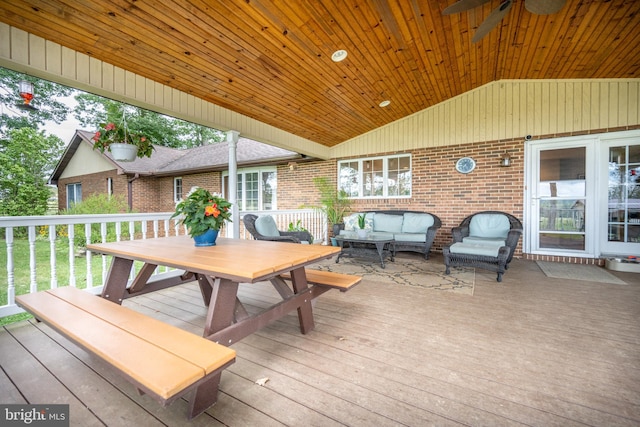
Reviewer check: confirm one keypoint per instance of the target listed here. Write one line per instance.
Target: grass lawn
(22, 274)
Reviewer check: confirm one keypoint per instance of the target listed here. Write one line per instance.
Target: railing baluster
(32, 259)
(11, 288)
(87, 234)
(72, 258)
(52, 256)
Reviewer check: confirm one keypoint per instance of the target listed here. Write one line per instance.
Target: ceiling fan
(539, 7)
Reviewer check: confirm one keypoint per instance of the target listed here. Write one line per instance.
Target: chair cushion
(489, 225)
(410, 237)
(266, 226)
(473, 249)
(484, 241)
(416, 222)
(388, 223)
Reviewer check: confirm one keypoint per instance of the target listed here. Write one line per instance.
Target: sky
(66, 129)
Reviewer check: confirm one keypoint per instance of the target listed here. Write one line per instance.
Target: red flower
(110, 126)
(209, 210)
(96, 136)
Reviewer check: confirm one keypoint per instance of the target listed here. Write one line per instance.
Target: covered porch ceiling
(271, 61)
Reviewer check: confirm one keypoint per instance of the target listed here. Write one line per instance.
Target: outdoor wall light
(505, 160)
(292, 166)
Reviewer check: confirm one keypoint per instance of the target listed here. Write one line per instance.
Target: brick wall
(155, 194)
(95, 183)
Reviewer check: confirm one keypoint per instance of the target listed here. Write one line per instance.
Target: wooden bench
(159, 359)
(340, 281)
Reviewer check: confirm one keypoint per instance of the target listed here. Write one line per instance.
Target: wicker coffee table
(379, 246)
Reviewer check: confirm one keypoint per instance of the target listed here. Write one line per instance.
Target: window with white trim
(372, 177)
(256, 189)
(177, 189)
(74, 194)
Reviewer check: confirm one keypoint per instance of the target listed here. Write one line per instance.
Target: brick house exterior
(436, 186)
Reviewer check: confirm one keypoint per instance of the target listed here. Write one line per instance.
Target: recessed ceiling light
(385, 103)
(339, 55)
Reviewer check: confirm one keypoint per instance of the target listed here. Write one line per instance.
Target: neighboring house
(154, 184)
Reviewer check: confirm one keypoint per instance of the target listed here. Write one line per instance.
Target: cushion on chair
(473, 249)
(411, 237)
(416, 222)
(388, 223)
(490, 226)
(266, 226)
(484, 241)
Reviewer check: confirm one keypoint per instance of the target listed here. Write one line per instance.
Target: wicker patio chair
(269, 231)
(476, 244)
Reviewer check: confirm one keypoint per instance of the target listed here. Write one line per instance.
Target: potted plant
(362, 223)
(123, 144)
(333, 203)
(203, 214)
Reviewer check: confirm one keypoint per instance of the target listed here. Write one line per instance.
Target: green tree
(163, 130)
(27, 157)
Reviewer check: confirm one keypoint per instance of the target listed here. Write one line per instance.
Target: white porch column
(232, 139)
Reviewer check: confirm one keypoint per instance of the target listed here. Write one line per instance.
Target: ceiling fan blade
(492, 20)
(544, 7)
(462, 5)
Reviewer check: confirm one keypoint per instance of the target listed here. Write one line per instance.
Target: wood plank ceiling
(271, 60)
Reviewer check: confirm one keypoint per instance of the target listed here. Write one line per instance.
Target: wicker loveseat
(412, 231)
(264, 228)
(485, 240)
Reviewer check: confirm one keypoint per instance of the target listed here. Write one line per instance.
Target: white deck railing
(46, 251)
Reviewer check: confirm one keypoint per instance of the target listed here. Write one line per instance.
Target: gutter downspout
(130, 190)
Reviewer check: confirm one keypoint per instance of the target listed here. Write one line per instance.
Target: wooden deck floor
(528, 351)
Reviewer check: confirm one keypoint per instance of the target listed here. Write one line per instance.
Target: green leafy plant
(361, 221)
(298, 227)
(95, 204)
(334, 203)
(201, 211)
(109, 133)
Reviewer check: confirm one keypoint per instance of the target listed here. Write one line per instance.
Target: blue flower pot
(206, 239)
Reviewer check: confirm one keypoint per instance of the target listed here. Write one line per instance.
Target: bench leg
(204, 396)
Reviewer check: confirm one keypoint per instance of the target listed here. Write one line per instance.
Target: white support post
(233, 229)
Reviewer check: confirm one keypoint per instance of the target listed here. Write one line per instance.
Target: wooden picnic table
(219, 269)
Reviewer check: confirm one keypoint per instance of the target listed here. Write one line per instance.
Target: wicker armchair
(269, 231)
(476, 244)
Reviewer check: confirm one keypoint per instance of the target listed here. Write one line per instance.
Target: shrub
(96, 204)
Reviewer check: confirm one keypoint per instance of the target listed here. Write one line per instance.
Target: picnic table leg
(305, 312)
(116, 284)
(222, 305)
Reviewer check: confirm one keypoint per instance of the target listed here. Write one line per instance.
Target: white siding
(508, 109)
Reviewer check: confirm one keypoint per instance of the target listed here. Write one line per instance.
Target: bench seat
(340, 281)
(161, 360)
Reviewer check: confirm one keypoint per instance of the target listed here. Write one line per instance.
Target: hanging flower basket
(114, 138)
(123, 152)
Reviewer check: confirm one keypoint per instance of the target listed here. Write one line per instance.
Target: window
(388, 176)
(177, 189)
(256, 190)
(74, 194)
